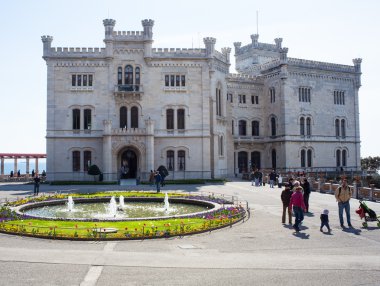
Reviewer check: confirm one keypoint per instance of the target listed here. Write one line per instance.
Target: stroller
(369, 215)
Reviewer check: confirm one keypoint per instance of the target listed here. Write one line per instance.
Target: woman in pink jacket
(298, 204)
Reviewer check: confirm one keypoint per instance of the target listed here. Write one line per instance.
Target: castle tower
(148, 37)
(210, 46)
(237, 47)
(227, 52)
(109, 24)
(255, 40)
(278, 42)
(46, 40)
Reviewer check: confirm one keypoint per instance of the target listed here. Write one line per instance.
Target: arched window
(137, 76)
(303, 158)
(76, 119)
(181, 160)
(337, 133)
(128, 75)
(255, 160)
(123, 117)
(243, 161)
(274, 159)
(218, 101)
(170, 160)
(343, 128)
(242, 127)
(86, 160)
(338, 158)
(344, 158)
(302, 126)
(309, 157)
(119, 75)
(255, 128)
(181, 119)
(134, 117)
(169, 119)
(273, 126)
(87, 119)
(233, 127)
(76, 161)
(308, 126)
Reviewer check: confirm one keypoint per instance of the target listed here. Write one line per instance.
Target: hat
(326, 212)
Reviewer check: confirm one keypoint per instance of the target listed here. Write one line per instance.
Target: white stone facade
(130, 104)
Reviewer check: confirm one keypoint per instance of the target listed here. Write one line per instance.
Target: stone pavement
(260, 251)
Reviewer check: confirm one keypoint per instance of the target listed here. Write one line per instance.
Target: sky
(324, 30)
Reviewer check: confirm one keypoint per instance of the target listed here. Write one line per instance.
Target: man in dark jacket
(306, 193)
(285, 198)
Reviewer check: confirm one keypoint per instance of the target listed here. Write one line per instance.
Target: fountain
(112, 207)
(70, 204)
(166, 201)
(121, 202)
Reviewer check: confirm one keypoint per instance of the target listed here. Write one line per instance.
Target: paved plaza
(260, 251)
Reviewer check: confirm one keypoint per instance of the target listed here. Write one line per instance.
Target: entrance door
(128, 164)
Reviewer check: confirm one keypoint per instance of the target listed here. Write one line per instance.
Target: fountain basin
(202, 208)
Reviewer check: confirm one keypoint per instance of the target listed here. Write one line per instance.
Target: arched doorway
(128, 167)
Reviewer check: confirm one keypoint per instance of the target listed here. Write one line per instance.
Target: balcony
(248, 139)
(131, 91)
(129, 131)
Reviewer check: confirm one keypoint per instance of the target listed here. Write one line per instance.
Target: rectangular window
(181, 119)
(170, 160)
(339, 97)
(177, 80)
(255, 99)
(79, 80)
(167, 80)
(181, 161)
(76, 119)
(170, 119)
(84, 80)
(304, 94)
(272, 93)
(90, 80)
(183, 80)
(172, 77)
(242, 98)
(87, 119)
(76, 161)
(73, 80)
(86, 160)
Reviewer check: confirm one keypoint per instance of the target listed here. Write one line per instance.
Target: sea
(21, 165)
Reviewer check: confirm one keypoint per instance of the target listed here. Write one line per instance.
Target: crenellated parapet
(358, 69)
(109, 24)
(178, 53)
(255, 40)
(278, 42)
(321, 65)
(77, 52)
(237, 47)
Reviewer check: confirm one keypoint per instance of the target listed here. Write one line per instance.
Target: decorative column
(149, 125)
(148, 37)
(27, 167)
(2, 166)
(357, 84)
(109, 24)
(36, 167)
(107, 150)
(15, 167)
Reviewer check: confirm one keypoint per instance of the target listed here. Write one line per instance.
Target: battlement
(77, 52)
(178, 52)
(321, 65)
(259, 46)
(128, 35)
(240, 76)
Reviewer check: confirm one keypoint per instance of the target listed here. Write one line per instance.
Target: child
(285, 198)
(325, 220)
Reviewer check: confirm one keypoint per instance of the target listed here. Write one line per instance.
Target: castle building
(129, 108)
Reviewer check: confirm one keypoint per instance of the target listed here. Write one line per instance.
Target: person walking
(157, 178)
(151, 178)
(279, 179)
(306, 192)
(298, 205)
(272, 178)
(37, 181)
(343, 195)
(285, 198)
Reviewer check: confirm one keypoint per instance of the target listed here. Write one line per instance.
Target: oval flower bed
(13, 223)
